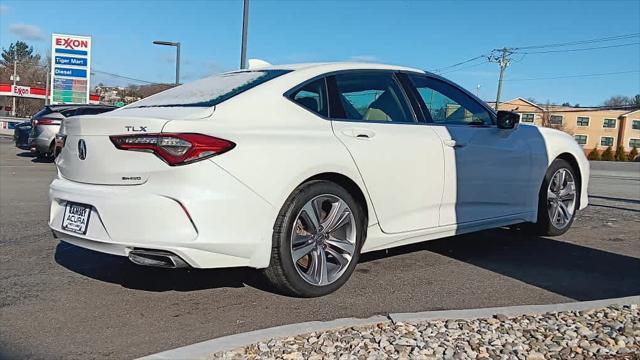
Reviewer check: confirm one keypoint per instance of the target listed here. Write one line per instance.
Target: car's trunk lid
(89, 156)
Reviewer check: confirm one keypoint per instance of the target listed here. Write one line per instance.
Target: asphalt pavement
(61, 301)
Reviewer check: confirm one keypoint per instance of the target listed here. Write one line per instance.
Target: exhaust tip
(156, 258)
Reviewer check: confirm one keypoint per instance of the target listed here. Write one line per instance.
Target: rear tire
(316, 240)
(558, 199)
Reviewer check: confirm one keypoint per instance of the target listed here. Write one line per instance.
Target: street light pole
(177, 45)
(177, 63)
(245, 29)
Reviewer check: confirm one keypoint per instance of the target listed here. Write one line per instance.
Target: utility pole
(245, 29)
(46, 89)
(503, 60)
(15, 79)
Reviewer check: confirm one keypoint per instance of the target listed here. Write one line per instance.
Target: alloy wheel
(323, 240)
(561, 198)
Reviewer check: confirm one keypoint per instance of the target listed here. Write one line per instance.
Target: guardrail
(7, 124)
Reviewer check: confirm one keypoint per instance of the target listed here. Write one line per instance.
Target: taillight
(174, 149)
(46, 121)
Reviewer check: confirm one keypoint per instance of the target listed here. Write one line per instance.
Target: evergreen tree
(23, 51)
(607, 155)
(633, 153)
(621, 155)
(594, 155)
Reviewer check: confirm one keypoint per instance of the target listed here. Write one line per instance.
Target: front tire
(558, 199)
(316, 240)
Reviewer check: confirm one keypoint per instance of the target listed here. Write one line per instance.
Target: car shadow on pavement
(578, 272)
(119, 270)
(26, 154)
(571, 270)
(46, 160)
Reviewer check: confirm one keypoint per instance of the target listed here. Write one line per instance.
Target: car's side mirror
(507, 119)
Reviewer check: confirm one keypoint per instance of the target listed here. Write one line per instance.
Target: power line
(458, 64)
(574, 76)
(465, 67)
(579, 49)
(126, 77)
(580, 42)
(516, 50)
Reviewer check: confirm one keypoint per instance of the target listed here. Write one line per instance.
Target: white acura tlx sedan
(298, 169)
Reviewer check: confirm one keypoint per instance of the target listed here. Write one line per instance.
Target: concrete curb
(202, 349)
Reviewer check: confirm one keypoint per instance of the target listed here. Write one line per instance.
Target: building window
(609, 123)
(583, 121)
(581, 139)
(635, 124)
(634, 143)
(527, 118)
(555, 120)
(606, 141)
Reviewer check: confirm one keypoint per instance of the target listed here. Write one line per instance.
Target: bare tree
(546, 119)
(618, 100)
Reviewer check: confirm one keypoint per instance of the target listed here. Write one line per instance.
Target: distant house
(591, 127)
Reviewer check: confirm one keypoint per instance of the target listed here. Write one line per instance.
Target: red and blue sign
(71, 69)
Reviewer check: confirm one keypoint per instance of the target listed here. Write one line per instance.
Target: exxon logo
(70, 43)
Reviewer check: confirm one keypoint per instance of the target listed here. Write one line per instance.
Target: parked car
(46, 123)
(299, 169)
(21, 135)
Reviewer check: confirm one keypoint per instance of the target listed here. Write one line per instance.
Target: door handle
(453, 143)
(359, 133)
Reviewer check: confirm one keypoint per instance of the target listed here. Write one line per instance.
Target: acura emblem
(82, 149)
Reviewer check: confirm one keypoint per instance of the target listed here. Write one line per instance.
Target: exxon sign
(71, 43)
(70, 69)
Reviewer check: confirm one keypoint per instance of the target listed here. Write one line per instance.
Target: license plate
(76, 218)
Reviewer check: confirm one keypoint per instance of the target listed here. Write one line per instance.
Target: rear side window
(313, 97)
(372, 96)
(209, 91)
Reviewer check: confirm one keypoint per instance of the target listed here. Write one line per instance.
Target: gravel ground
(612, 332)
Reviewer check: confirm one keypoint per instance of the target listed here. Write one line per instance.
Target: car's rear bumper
(42, 137)
(216, 223)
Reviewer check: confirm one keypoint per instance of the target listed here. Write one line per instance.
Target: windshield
(209, 91)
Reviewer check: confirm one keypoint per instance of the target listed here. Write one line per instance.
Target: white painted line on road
(205, 348)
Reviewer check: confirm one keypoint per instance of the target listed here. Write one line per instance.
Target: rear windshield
(45, 111)
(209, 91)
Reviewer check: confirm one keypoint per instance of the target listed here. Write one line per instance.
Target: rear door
(487, 169)
(399, 159)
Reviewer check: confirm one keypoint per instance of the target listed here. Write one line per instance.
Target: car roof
(66, 106)
(337, 66)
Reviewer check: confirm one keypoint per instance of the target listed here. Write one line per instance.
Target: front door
(487, 169)
(400, 160)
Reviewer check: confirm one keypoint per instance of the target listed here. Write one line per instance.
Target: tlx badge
(136, 129)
